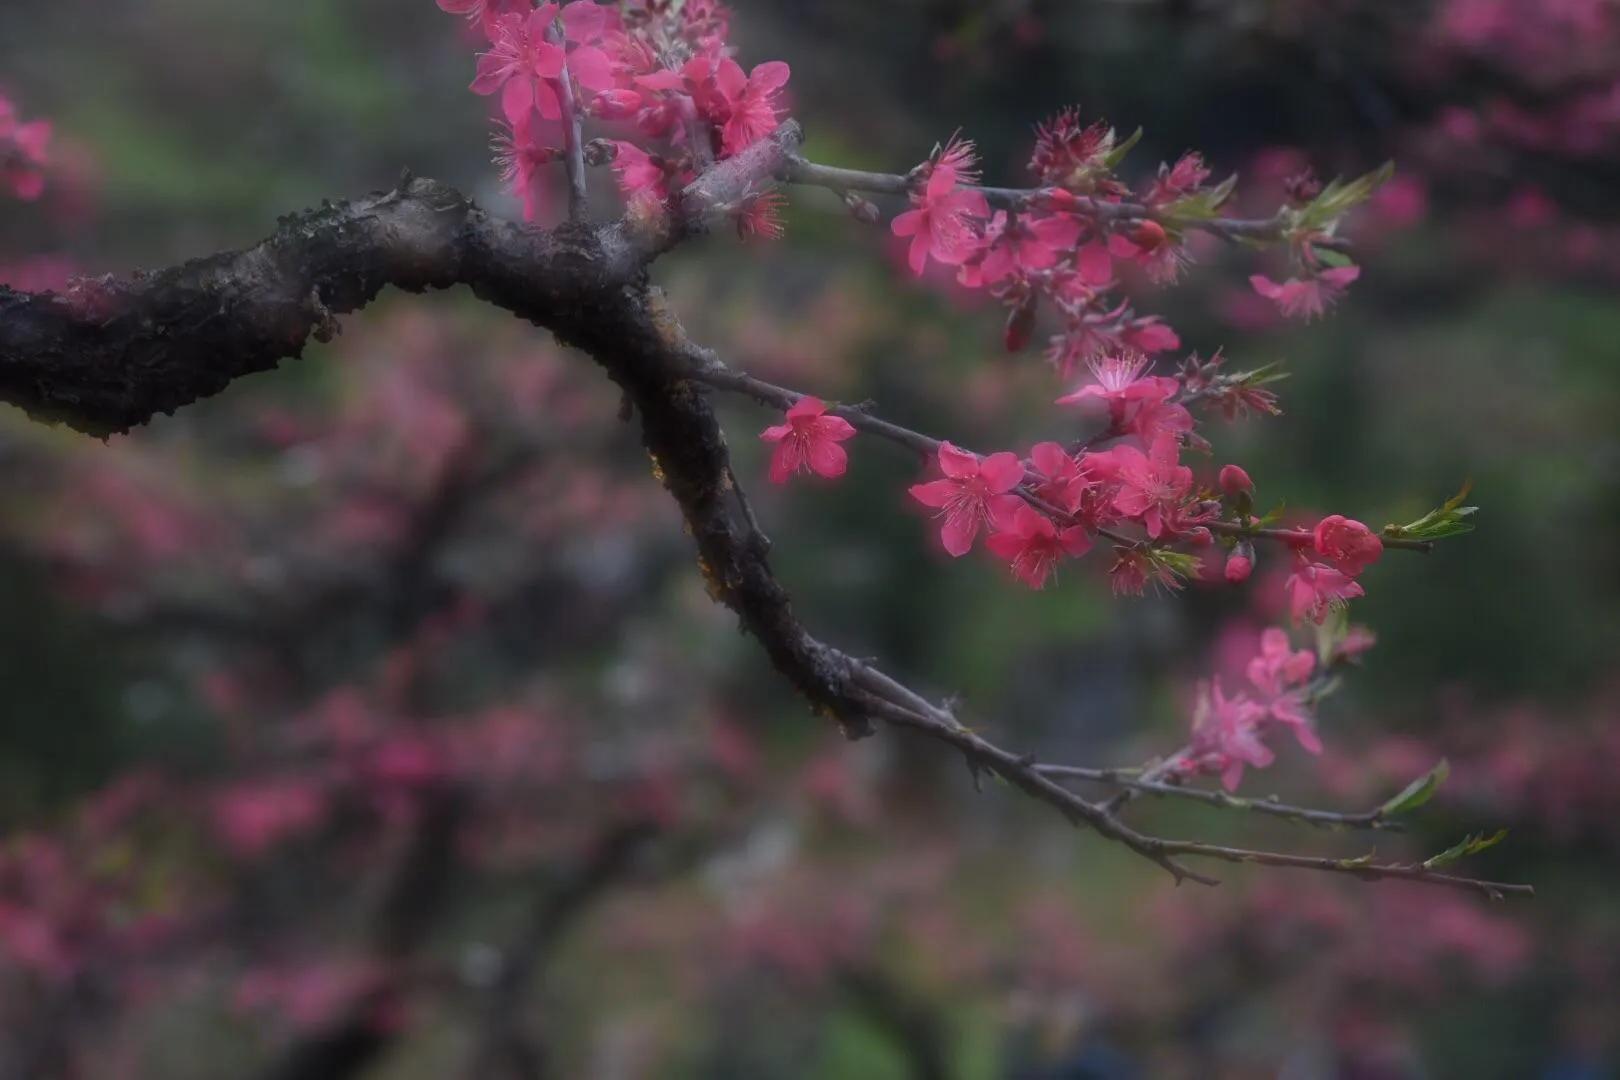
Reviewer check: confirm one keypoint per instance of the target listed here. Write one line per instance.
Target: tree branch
(109, 355)
(714, 372)
(798, 170)
(1370, 819)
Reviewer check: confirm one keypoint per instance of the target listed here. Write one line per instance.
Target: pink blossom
(1071, 155)
(760, 215)
(1308, 297)
(1278, 667)
(1151, 248)
(1152, 486)
(1226, 735)
(1240, 564)
(522, 64)
(1082, 341)
(943, 223)
(1063, 482)
(1094, 265)
(1021, 244)
(640, 174)
(744, 108)
(808, 442)
(958, 154)
(1137, 404)
(1347, 544)
(753, 102)
(1279, 674)
(1175, 183)
(483, 12)
(23, 154)
(1120, 382)
(1314, 588)
(1148, 334)
(973, 493)
(1034, 545)
(522, 159)
(519, 62)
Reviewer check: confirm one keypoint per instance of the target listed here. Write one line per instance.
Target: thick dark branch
(644, 350)
(109, 354)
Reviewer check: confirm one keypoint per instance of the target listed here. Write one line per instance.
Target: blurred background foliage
(914, 925)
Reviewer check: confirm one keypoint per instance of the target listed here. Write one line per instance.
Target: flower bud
(864, 210)
(1020, 324)
(1058, 199)
(1240, 564)
(1235, 481)
(615, 104)
(1149, 235)
(600, 152)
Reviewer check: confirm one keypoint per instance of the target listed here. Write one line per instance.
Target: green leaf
(1179, 563)
(1202, 205)
(1325, 690)
(1274, 514)
(1449, 520)
(1260, 376)
(1418, 791)
(1331, 257)
(1341, 196)
(1117, 154)
(1332, 630)
(1469, 845)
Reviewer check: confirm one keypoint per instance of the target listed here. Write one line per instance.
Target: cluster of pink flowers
(1049, 506)
(665, 74)
(23, 153)
(1339, 549)
(1229, 733)
(1068, 241)
(661, 72)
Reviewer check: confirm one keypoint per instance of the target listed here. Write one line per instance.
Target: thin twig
(1304, 538)
(798, 170)
(711, 371)
(1370, 819)
(573, 136)
(1032, 778)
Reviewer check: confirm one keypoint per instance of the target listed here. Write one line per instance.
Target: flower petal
(1002, 472)
(591, 68)
(957, 463)
(768, 77)
(828, 458)
(806, 407)
(935, 493)
(959, 532)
